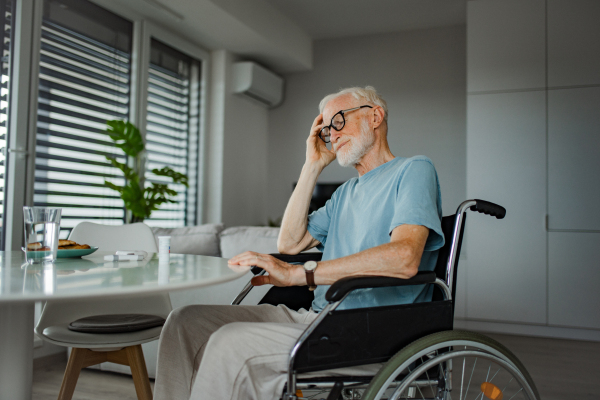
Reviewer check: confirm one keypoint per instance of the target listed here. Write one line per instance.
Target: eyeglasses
(337, 122)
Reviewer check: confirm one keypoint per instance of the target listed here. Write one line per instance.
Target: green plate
(75, 252)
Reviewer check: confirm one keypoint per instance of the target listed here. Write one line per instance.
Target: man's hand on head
(317, 153)
(279, 273)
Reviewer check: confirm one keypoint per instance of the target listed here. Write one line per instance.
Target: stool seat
(116, 323)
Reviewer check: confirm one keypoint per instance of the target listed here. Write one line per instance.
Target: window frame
(24, 88)
(149, 31)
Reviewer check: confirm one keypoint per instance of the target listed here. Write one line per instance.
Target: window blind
(172, 130)
(6, 13)
(85, 66)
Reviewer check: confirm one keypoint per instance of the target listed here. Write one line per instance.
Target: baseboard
(42, 362)
(556, 332)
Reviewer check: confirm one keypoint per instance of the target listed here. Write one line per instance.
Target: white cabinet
(533, 146)
(574, 279)
(505, 45)
(506, 164)
(574, 158)
(573, 42)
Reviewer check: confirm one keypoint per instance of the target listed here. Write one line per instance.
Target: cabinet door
(574, 158)
(506, 45)
(506, 164)
(573, 42)
(574, 276)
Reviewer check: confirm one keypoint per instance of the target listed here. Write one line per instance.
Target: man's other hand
(317, 153)
(280, 273)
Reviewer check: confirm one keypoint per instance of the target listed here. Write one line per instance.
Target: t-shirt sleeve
(418, 202)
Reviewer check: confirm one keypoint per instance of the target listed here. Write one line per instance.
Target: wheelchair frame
(322, 335)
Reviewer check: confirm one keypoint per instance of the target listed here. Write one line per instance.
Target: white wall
(235, 152)
(532, 146)
(421, 74)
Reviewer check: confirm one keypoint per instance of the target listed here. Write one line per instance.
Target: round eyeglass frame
(330, 126)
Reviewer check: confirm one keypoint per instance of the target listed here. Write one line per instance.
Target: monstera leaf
(158, 194)
(176, 176)
(140, 200)
(126, 136)
(127, 172)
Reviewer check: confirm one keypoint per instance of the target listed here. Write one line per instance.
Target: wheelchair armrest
(291, 258)
(340, 288)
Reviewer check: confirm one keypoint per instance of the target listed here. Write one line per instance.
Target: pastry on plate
(34, 246)
(75, 247)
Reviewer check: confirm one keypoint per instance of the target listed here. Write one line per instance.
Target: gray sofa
(211, 240)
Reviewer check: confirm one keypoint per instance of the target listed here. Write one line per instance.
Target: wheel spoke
(511, 379)
(494, 375)
(481, 394)
(462, 379)
(429, 382)
(471, 377)
(419, 389)
(515, 393)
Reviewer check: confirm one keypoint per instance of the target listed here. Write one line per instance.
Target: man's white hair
(368, 94)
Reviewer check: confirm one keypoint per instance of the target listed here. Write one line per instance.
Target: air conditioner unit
(257, 83)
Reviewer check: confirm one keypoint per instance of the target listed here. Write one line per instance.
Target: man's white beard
(355, 150)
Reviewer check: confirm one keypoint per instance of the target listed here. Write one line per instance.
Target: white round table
(22, 284)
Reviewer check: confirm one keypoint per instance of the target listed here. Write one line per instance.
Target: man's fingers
(317, 125)
(248, 258)
(242, 256)
(316, 130)
(318, 120)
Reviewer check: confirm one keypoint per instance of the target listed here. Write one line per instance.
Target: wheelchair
(424, 357)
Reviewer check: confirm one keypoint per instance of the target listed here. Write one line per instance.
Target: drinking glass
(42, 226)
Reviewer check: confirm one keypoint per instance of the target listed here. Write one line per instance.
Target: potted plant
(140, 200)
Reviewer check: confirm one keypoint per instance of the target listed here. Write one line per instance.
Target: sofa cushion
(200, 239)
(238, 239)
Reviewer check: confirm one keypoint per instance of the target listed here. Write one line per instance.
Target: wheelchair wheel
(453, 365)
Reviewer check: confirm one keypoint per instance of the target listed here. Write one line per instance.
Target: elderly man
(385, 222)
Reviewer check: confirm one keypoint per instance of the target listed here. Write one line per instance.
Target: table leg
(16, 350)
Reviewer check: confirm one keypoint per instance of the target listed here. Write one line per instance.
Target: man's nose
(335, 135)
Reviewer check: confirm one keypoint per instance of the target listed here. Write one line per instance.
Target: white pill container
(164, 245)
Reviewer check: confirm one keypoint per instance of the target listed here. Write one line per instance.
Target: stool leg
(72, 371)
(139, 372)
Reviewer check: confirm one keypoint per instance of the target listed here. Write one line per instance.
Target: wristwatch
(309, 268)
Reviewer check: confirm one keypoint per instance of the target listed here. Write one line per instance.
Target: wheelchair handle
(489, 208)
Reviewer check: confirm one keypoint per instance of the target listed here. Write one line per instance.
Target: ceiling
(280, 33)
(324, 19)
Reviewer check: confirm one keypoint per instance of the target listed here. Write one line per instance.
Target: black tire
(441, 340)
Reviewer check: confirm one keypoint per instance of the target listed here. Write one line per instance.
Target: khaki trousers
(230, 352)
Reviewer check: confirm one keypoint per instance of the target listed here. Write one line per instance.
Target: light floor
(561, 369)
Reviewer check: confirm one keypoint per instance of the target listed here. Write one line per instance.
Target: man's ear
(378, 115)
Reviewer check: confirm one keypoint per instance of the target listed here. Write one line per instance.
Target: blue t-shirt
(363, 212)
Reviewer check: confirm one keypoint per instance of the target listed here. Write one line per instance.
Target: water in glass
(42, 226)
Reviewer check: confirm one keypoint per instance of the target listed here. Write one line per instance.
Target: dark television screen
(322, 193)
